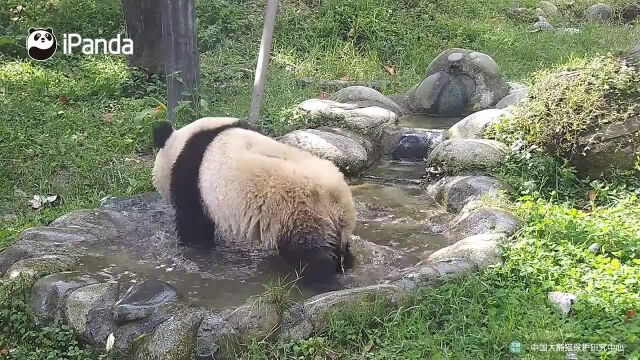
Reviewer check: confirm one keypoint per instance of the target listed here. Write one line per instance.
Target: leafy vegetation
(562, 105)
(79, 127)
(17, 326)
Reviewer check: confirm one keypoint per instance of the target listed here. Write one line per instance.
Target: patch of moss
(566, 103)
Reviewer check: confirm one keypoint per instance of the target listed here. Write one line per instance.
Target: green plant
(21, 339)
(564, 104)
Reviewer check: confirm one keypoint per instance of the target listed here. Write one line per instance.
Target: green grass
(71, 127)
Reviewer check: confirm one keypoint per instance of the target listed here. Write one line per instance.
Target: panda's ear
(49, 30)
(31, 30)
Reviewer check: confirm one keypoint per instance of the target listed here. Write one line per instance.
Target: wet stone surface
(142, 299)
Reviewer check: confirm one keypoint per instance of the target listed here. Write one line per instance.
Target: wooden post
(143, 20)
(257, 97)
(182, 59)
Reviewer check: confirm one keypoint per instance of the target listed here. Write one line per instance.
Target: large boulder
(613, 146)
(549, 8)
(458, 82)
(33, 268)
(630, 13)
(215, 339)
(599, 12)
(474, 125)
(88, 312)
(368, 121)
(454, 192)
(457, 155)
(49, 293)
(512, 99)
(477, 219)
(633, 55)
(482, 250)
(365, 96)
(143, 299)
(174, 339)
(348, 151)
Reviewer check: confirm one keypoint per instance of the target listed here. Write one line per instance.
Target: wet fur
(221, 175)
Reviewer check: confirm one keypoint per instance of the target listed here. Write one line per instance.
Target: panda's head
(41, 43)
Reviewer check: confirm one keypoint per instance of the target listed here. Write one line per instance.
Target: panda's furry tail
(161, 132)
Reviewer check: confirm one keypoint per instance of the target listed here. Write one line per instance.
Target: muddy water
(144, 246)
(428, 121)
(401, 223)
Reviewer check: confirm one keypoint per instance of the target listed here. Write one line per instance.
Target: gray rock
(455, 192)
(143, 299)
(633, 55)
(562, 301)
(456, 155)
(255, 319)
(295, 324)
(515, 87)
(474, 125)
(481, 250)
(364, 96)
(368, 121)
(215, 338)
(34, 268)
(411, 143)
(599, 12)
(542, 25)
(612, 146)
(18, 251)
(131, 335)
(319, 307)
(630, 13)
(594, 248)
(483, 220)
(458, 82)
(375, 261)
(88, 312)
(512, 99)
(49, 293)
(427, 274)
(347, 153)
(174, 339)
(402, 100)
(549, 8)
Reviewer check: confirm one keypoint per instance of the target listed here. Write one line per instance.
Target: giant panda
(221, 175)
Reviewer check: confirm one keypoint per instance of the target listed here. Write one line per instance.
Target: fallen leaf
(108, 118)
(346, 78)
(40, 201)
(390, 69)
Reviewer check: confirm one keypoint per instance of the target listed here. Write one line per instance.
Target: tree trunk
(143, 20)
(182, 59)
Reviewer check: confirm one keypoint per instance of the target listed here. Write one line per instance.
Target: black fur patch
(161, 133)
(319, 255)
(193, 225)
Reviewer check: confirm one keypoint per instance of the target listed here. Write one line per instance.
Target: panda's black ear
(31, 30)
(49, 30)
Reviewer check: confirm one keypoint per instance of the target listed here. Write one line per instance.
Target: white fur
(256, 188)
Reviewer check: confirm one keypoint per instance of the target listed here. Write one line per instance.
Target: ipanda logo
(42, 44)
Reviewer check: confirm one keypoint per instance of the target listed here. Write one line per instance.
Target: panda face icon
(41, 44)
